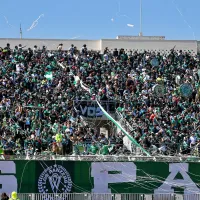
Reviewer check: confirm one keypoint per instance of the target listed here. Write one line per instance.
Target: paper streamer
(118, 14)
(7, 21)
(85, 88)
(35, 23)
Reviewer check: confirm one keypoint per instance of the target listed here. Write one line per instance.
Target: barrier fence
(88, 196)
(114, 158)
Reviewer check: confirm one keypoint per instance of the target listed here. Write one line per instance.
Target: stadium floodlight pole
(140, 34)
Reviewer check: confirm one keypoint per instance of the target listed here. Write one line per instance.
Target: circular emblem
(159, 90)
(186, 90)
(54, 179)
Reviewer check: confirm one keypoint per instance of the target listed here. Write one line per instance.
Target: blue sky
(91, 19)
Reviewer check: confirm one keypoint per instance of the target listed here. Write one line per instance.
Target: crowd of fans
(38, 88)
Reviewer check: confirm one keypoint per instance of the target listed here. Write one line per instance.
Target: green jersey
(93, 149)
(105, 150)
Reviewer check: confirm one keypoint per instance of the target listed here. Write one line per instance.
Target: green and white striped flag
(48, 75)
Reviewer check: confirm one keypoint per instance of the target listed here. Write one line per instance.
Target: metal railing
(93, 196)
(110, 158)
(125, 124)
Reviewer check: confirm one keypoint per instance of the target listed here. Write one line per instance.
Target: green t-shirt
(1, 151)
(64, 127)
(33, 125)
(120, 109)
(55, 128)
(46, 113)
(105, 150)
(93, 149)
(78, 149)
(49, 67)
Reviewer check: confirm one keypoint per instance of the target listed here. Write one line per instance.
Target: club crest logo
(54, 179)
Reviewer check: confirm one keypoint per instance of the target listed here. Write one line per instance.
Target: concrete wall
(51, 43)
(164, 45)
(157, 45)
(198, 46)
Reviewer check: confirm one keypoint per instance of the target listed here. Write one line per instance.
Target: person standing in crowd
(93, 149)
(14, 196)
(4, 196)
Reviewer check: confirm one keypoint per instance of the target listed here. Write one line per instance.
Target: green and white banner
(99, 177)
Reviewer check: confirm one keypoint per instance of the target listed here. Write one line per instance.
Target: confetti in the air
(130, 25)
(35, 23)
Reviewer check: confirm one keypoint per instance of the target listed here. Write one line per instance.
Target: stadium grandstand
(106, 101)
(99, 119)
(52, 100)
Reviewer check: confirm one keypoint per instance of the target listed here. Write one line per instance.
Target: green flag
(48, 75)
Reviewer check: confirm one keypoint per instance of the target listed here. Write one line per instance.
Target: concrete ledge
(99, 45)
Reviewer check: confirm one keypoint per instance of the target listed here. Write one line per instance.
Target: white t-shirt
(193, 139)
(18, 68)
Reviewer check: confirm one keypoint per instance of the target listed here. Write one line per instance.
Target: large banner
(90, 109)
(99, 177)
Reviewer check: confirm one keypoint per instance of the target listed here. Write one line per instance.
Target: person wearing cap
(14, 196)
